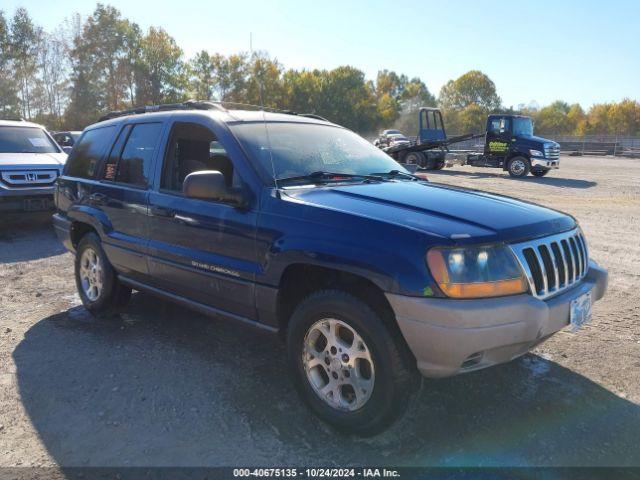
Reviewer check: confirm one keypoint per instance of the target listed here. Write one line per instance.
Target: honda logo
(31, 177)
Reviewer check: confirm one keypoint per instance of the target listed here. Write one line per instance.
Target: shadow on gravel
(162, 386)
(551, 180)
(27, 236)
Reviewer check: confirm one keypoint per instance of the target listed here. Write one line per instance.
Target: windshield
(298, 149)
(522, 126)
(25, 140)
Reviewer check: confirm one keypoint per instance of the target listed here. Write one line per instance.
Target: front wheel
(519, 167)
(348, 366)
(98, 286)
(540, 173)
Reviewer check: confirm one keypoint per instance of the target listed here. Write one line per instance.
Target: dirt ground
(163, 386)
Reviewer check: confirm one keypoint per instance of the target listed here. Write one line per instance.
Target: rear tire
(348, 366)
(98, 286)
(415, 158)
(540, 173)
(519, 167)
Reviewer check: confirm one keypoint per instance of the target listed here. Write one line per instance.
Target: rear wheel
(439, 166)
(540, 173)
(414, 158)
(97, 282)
(518, 167)
(348, 366)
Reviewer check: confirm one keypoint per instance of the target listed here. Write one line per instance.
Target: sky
(537, 50)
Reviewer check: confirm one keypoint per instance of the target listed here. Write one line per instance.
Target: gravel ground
(163, 386)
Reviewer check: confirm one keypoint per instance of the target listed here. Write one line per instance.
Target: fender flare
(91, 216)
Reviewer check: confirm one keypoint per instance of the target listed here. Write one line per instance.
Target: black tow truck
(509, 144)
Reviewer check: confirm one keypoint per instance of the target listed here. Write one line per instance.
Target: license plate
(36, 204)
(580, 311)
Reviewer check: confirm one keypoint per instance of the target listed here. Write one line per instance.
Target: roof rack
(270, 109)
(188, 105)
(201, 105)
(13, 118)
(311, 115)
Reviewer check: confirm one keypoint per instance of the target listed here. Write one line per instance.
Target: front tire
(518, 167)
(98, 286)
(347, 364)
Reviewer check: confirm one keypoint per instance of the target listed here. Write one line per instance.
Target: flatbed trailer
(431, 146)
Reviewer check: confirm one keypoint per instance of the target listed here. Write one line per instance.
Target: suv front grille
(27, 178)
(553, 264)
(552, 152)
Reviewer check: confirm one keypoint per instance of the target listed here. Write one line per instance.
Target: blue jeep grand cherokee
(296, 225)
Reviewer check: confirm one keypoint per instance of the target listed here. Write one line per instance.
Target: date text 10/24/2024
(317, 472)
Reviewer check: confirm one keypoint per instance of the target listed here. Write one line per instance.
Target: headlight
(536, 153)
(476, 271)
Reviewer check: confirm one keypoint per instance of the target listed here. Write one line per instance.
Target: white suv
(30, 163)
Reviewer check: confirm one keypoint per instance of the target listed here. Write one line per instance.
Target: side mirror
(211, 185)
(67, 149)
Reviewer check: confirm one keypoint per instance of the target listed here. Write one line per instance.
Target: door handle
(98, 198)
(162, 212)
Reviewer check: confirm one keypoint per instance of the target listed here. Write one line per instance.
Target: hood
(460, 215)
(536, 140)
(17, 161)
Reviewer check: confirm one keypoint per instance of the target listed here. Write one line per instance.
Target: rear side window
(135, 163)
(87, 153)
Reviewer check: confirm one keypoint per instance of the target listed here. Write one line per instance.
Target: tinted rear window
(87, 153)
(25, 140)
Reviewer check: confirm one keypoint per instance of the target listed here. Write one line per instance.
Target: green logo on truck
(498, 146)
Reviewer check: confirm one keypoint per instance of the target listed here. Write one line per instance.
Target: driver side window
(499, 125)
(193, 148)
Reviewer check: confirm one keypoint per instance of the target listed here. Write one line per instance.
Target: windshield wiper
(398, 173)
(328, 177)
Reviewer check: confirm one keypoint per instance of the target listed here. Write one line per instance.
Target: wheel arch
(84, 219)
(79, 229)
(301, 279)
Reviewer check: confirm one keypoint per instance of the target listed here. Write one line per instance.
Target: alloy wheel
(338, 364)
(91, 274)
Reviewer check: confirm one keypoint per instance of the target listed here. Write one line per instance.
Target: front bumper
(449, 336)
(26, 199)
(545, 163)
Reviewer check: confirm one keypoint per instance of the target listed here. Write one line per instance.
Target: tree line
(67, 78)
